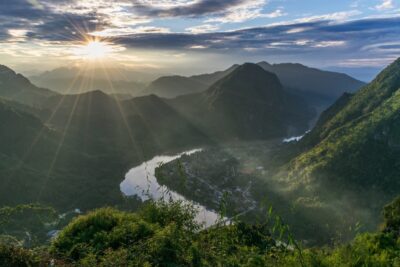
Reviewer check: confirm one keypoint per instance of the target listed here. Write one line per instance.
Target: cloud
(59, 23)
(362, 38)
(119, 32)
(246, 13)
(275, 14)
(332, 17)
(329, 44)
(367, 62)
(247, 10)
(385, 5)
(17, 35)
(202, 28)
(297, 30)
(198, 47)
(188, 8)
(71, 20)
(222, 11)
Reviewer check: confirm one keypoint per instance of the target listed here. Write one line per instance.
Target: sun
(93, 50)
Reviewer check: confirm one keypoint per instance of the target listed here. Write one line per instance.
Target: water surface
(142, 182)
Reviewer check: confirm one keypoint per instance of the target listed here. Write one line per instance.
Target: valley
(199, 133)
(258, 154)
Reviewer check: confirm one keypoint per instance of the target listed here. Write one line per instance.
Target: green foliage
(235, 245)
(27, 224)
(13, 256)
(166, 234)
(159, 235)
(350, 163)
(372, 250)
(391, 213)
(367, 250)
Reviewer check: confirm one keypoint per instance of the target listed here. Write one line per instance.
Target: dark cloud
(67, 27)
(200, 8)
(42, 22)
(20, 9)
(308, 37)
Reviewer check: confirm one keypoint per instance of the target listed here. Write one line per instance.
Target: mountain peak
(251, 69)
(233, 67)
(248, 81)
(94, 93)
(250, 74)
(248, 65)
(264, 64)
(4, 70)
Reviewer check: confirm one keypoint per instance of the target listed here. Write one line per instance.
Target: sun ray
(93, 50)
(60, 145)
(42, 131)
(123, 117)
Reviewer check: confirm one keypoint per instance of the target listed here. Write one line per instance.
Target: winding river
(141, 181)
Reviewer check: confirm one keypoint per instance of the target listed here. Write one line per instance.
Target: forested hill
(249, 103)
(351, 159)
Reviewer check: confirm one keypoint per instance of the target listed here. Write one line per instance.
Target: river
(141, 181)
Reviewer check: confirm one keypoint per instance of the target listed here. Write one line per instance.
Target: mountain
(17, 88)
(80, 155)
(73, 150)
(317, 85)
(93, 71)
(350, 162)
(138, 127)
(73, 81)
(23, 138)
(319, 88)
(82, 84)
(172, 86)
(334, 180)
(249, 103)
(79, 146)
(211, 78)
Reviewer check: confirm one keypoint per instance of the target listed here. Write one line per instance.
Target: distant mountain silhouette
(107, 73)
(172, 86)
(75, 81)
(317, 85)
(16, 87)
(211, 78)
(319, 88)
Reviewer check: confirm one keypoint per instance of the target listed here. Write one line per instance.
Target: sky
(358, 37)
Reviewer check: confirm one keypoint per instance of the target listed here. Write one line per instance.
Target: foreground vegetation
(166, 234)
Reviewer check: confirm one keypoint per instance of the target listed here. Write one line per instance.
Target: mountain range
(73, 150)
(347, 167)
(77, 80)
(16, 87)
(78, 146)
(248, 103)
(319, 88)
(335, 179)
(173, 86)
(355, 146)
